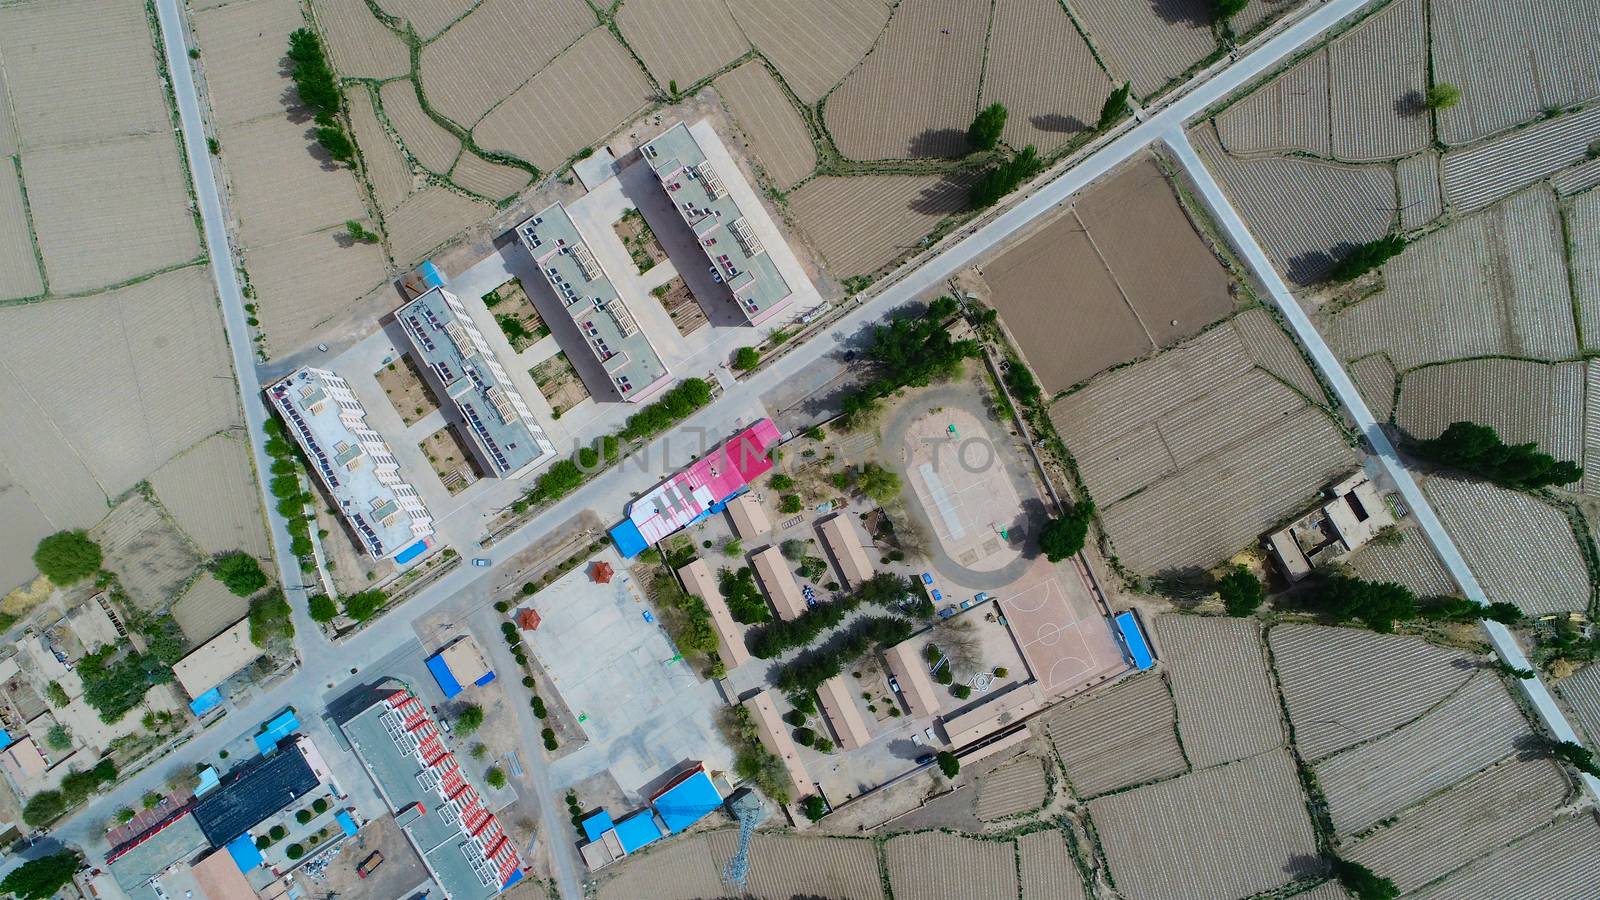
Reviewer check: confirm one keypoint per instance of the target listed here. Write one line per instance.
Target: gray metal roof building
(590, 298)
(463, 369)
(252, 792)
(697, 190)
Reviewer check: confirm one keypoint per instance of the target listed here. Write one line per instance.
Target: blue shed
(1133, 642)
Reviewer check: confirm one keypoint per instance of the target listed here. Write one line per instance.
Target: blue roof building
(688, 801)
(1133, 642)
(279, 728)
(638, 830)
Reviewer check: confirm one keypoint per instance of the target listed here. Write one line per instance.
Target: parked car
(480, 562)
(925, 759)
(369, 864)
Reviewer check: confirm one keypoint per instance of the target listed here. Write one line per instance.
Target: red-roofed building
(698, 490)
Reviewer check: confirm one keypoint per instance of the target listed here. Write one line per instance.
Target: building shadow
(640, 186)
(554, 313)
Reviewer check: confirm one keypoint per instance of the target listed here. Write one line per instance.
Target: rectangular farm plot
(589, 90)
(22, 526)
(1521, 550)
(1047, 868)
(1174, 282)
(134, 375)
(1477, 726)
(782, 143)
(682, 41)
(924, 866)
(151, 558)
(1477, 176)
(1016, 787)
(1377, 75)
(55, 480)
(862, 223)
(1522, 400)
(283, 184)
(1560, 862)
(1120, 735)
(431, 217)
(1411, 561)
(305, 282)
(488, 179)
(107, 212)
(19, 269)
(1583, 229)
(386, 168)
(887, 109)
(244, 48)
(1472, 818)
(210, 490)
(207, 609)
(1063, 307)
(427, 17)
(786, 865)
(81, 70)
(1227, 707)
(1040, 67)
(486, 56)
(813, 45)
(1229, 831)
(1148, 44)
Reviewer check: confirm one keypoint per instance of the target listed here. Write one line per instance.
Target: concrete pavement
(1505, 643)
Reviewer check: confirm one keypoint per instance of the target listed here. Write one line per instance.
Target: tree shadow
(1410, 104)
(1186, 586)
(1305, 865)
(1532, 747)
(1194, 13)
(943, 197)
(1312, 266)
(1058, 123)
(939, 142)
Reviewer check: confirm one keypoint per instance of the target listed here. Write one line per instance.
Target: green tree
(496, 777)
(1477, 451)
(362, 606)
(240, 572)
(1363, 258)
(1022, 384)
(1443, 96)
(67, 557)
(1378, 604)
(56, 694)
(336, 142)
(781, 482)
(814, 807)
(270, 617)
(57, 738)
(322, 608)
(43, 808)
(361, 235)
(1575, 755)
(879, 483)
(151, 800)
(313, 77)
(745, 602)
(1240, 590)
(1223, 10)
(1362, 882)
(40, 879)
(987, 126)
(1004, 178)
(790, 503)
(1064, 537)
(746, 358)
(469, 720)
(948, 764)
(1503, 612)
(1115, 107)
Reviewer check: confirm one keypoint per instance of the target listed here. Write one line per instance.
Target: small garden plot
(1405, 558)
(402, 383)
(681, 307)
(450, 459)
(636, 234)
(1343, 686)
(1017, 787)
(926, 865)
(1227, 708)
(1122, 735)
(1475, 727)
(1561, 862)
(516, 315)
(1047, 868)
(146, 551)
(1229, 831)
(558, 381)
(1466, 821)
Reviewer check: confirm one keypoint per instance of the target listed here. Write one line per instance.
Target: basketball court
(1055, 620)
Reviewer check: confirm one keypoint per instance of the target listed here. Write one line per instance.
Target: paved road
(322, 664)
(1505, 643)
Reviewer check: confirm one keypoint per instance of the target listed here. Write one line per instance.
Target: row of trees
(285, 488)
(814, 667)
(1380, 604)
(318, 88)
(883, 589)
(1477, 450)
(47, 806)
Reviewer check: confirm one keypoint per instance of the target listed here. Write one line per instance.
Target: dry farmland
(305, 282)
(1417, 180)
(1513, 302)
(151, 558)
(1581, 692)
(1523, 401)
(210, 491)
(682, 41)
(1521, 550)
(19, 269)
(207, 609)
(1228, 831)
(1411, 562)
(1227, 708)
(1015, 788)
(1353, 204)
(781, 865)
(1476, 726)
(577, 100)
(1039, 65)
(1121, 735)
(429, 218)
(1192, 453)
(486, 56)
(916, 92)
(863, 223)
(1583, 229)
(361, 46)
(1559, 862)
(816, 45)
(1476, 176)
(433, 147)
(1047, 869)
(1474, 817)
(1343, 686)
(1514, 61)
(388, 172)
(1120, 304)
(781, 141)
(1148, 44)
(925, 865)
(488, 179)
